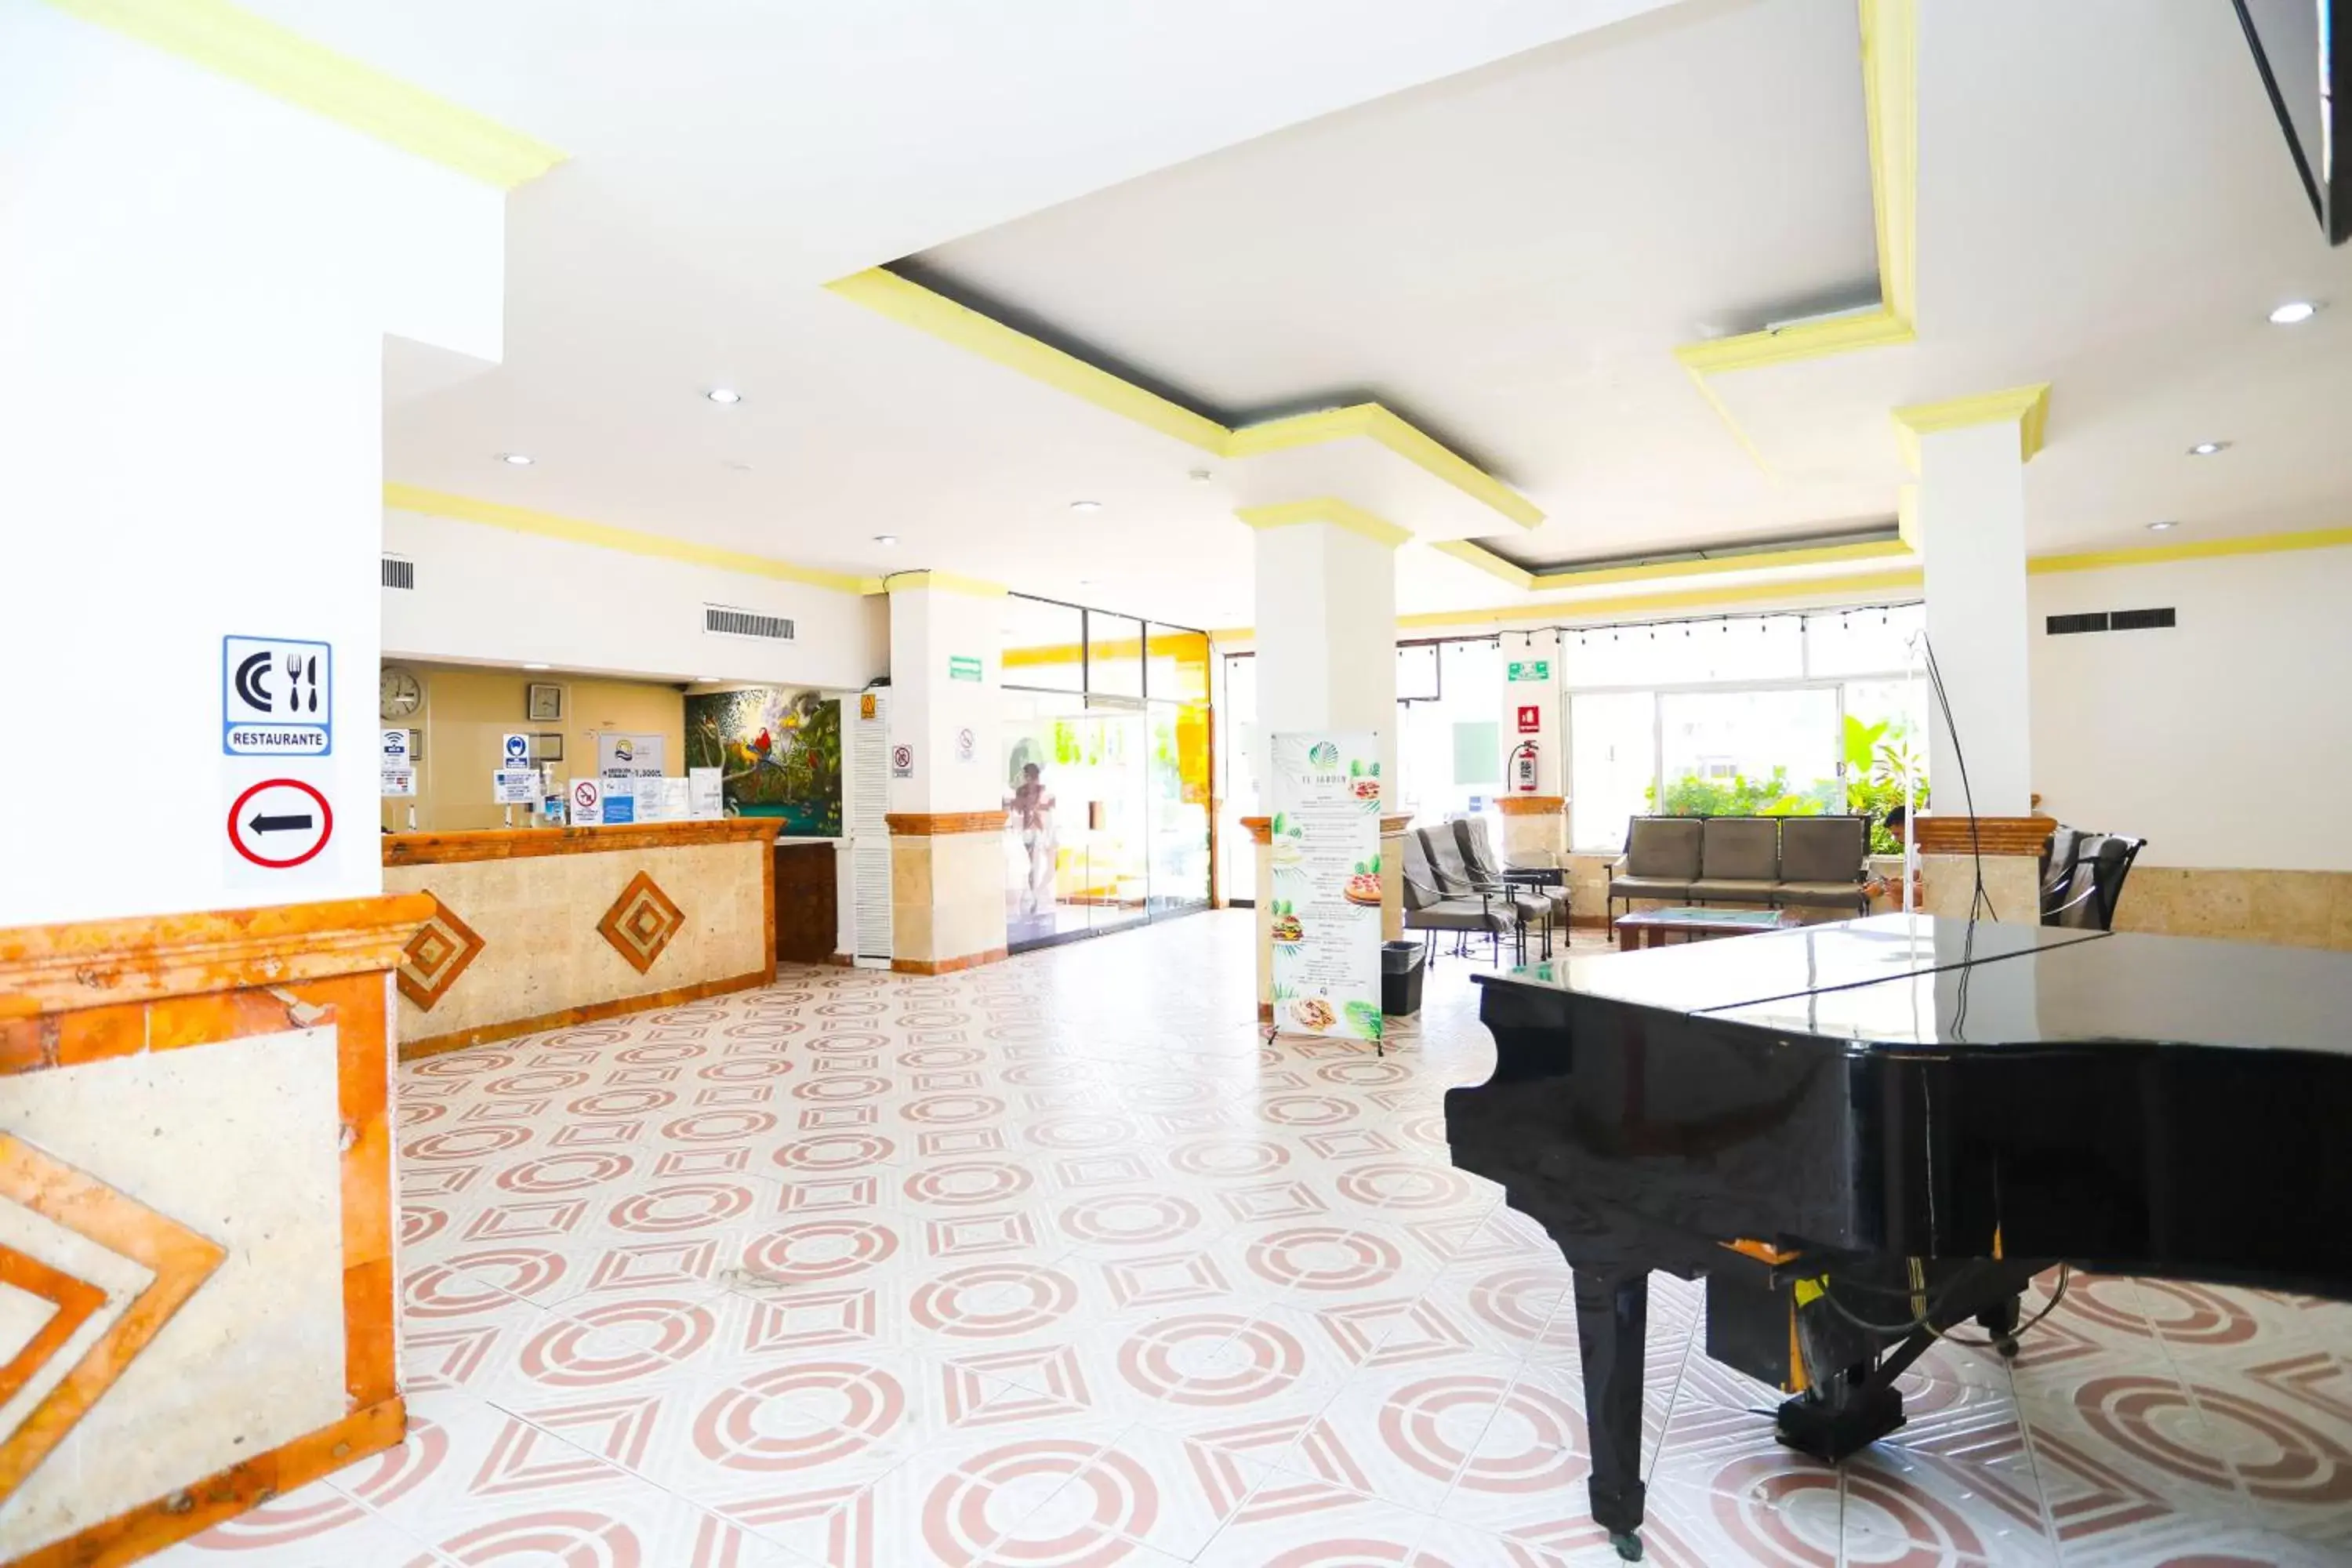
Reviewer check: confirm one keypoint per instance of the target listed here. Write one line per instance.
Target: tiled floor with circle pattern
(1053, 1264)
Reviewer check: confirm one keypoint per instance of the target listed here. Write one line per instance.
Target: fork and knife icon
(295, 676)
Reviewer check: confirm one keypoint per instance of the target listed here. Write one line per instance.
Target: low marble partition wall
(196, 1219)
(534, 929)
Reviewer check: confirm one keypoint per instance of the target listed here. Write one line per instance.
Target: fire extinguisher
(1523, 768)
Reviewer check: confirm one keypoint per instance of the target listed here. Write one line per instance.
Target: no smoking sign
(279, 824)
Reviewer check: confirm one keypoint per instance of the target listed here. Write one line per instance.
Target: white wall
(196, 280)
(929, 626)
(492, 595)
(2224, 743)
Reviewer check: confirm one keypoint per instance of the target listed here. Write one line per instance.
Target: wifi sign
(277, 697)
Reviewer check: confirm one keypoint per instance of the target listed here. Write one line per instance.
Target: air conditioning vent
(2111, 621)
(399, 573)
(745, 624)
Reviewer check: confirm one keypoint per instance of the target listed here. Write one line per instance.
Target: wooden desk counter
(539, 928)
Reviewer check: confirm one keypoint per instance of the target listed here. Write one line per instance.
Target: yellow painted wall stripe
(1890, 103)
(238, 44)
(1487, 560)
(1326, 509)
(942, 583)
(605, 535)
(2200, 550)
(912, 305)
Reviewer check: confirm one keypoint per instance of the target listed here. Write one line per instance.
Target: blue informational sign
(620, 806)
(277, 697)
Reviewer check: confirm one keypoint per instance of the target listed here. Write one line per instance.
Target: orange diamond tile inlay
(435, 957)
(640, 923)
(179, 1258)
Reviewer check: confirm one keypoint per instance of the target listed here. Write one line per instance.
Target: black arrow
(261, 824)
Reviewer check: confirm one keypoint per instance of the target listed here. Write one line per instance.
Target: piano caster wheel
(1628, 1545)
(2007, 1346)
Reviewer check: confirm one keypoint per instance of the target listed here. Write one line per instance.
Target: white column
(1530, 712)
(1326, 633)
(1969, 523)
(946, 816)
(203, 290)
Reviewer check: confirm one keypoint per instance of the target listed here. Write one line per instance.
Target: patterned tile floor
(1053, 1265)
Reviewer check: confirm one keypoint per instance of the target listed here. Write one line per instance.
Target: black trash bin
(1401, 971)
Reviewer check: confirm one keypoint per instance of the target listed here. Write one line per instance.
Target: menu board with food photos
(1325, 838)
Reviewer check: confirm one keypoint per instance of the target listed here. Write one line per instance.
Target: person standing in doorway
(1031, 806)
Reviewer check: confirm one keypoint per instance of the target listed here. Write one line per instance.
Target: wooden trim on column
(521, 843)
(147, 958)
(590, 1012)
(1939, 835)
(1259, 828)
(948, 966)
(244, 1486)
(1531, 805)
(940, 823)
(1394, 822)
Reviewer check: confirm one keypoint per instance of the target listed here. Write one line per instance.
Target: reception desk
(536, 929)
(196, 1218)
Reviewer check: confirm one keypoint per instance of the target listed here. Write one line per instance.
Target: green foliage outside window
(1875, 766)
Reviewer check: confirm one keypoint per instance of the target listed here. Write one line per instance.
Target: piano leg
(2000, 1322)
(1613, 1317)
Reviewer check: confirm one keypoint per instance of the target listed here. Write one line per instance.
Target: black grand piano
(1867, 1133)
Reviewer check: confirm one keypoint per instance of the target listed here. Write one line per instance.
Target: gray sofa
(1781, 862)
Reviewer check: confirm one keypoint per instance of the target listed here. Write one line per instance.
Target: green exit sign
(1531, 669)
(963, 667)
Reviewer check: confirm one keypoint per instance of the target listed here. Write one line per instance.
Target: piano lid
(2126, 988)
(1729, 971)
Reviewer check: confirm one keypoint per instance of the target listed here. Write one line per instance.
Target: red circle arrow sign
(276, 830)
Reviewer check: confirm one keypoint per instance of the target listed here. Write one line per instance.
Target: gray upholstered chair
(1739, 859)
(1430, 911)
(1825, 861)
(2083, 877)
(1478, 849)
(1661, 861)
(1457, 880)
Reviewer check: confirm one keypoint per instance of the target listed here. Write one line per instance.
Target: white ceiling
(1499, 215)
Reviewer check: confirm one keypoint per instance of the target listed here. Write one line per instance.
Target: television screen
(2293, 46)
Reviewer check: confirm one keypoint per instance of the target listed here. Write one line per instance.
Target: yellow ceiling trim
(261, 54)
(1326, 509)
(630, 541)
(942, 583)
(1906, 515)
(2200, 550)
(1375, 423)
(911, 305)
(1890, 106)
(2027, 408)
(1687, 599)
(1487, 560)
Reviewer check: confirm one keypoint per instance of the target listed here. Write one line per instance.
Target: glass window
(1613, 766)
(1749, 753)
(1886, 744)
(1862, 642)
(1239, 756)
(1179, 670)
(1417, 678)
(1114, 655)
(1043, 645)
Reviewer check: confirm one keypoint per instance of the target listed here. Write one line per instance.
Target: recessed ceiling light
(2160, 527)
(886, 539)
(1200, 475)
(2207, 449)
(737, 463)
(723, 395)
(709, 680)
(2294, 313)
(1085, 506)
(536, 667)
(519, 459)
